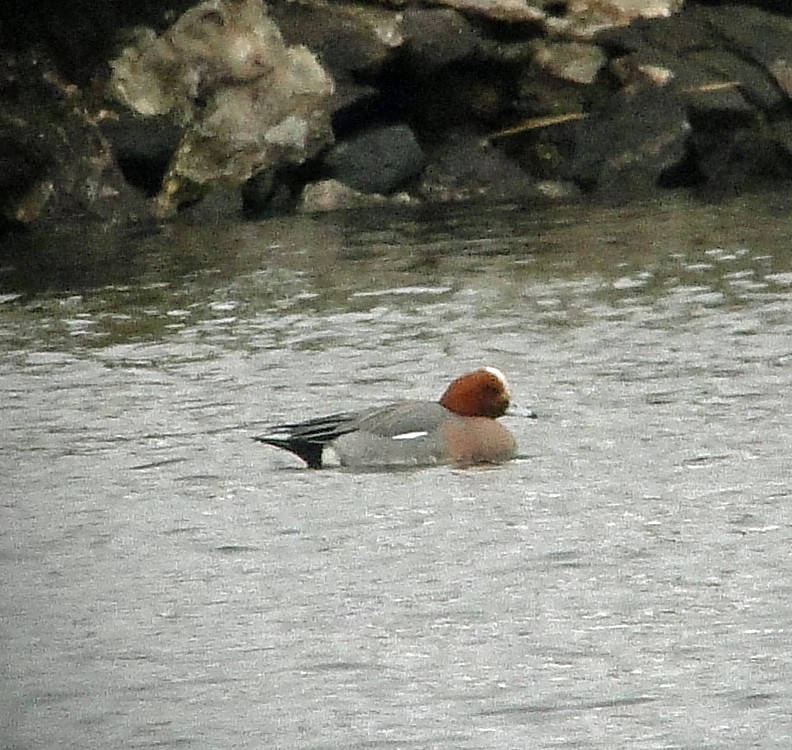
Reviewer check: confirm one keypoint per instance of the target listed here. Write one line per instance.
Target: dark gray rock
(709, 45)
(728, 66)
(465, 168)
(380, 160)
(436, 38)
(718, 83)
(757, 35)
(623, 150)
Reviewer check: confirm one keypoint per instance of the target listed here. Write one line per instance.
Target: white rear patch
(330, 457)
(410, 435)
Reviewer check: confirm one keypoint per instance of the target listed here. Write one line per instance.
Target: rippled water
(167, 582)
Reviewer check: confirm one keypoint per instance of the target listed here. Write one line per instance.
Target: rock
(693, 95)
(465, 168)
(710, 84)
(215, 203)
(702, 80)
(350, 40)
(380, 160)
(271, 192)
(741, 136)
(760, 36)
(624, 149)
(577, 62)
(718, 60)
(436, 38)
(575, 19)
(783, 133)
(584, 19)
(691, 47)
(55, 164)
(510, 11)
(358, 44)
(246, 101)
(332, 195)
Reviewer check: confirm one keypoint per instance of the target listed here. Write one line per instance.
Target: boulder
(623, 149)
(246, 100)
(465, 168)
(378, 160)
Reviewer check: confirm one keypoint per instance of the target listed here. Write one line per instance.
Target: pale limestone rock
(514, 11)
(580, 20)
(584, 18)
(332, 195)
(578, 62)
(247, 101)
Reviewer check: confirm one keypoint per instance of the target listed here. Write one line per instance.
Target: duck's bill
(521, 411)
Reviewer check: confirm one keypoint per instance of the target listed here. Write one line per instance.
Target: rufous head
(481, 393)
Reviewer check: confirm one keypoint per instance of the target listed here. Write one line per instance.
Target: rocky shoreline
(234, 108)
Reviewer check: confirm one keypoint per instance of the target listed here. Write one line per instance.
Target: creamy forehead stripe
(499, 375)
(410, 435)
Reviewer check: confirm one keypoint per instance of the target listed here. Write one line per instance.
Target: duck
(460, 429)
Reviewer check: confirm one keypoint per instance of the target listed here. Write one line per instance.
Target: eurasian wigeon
(461, 428)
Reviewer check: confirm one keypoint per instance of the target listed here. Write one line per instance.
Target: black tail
(306, 439)
(309, 452)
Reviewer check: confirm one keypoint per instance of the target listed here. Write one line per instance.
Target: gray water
(167, 582)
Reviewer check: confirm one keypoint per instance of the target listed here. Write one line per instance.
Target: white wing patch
(410, 435)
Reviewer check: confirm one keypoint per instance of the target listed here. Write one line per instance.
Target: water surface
(166, 582)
